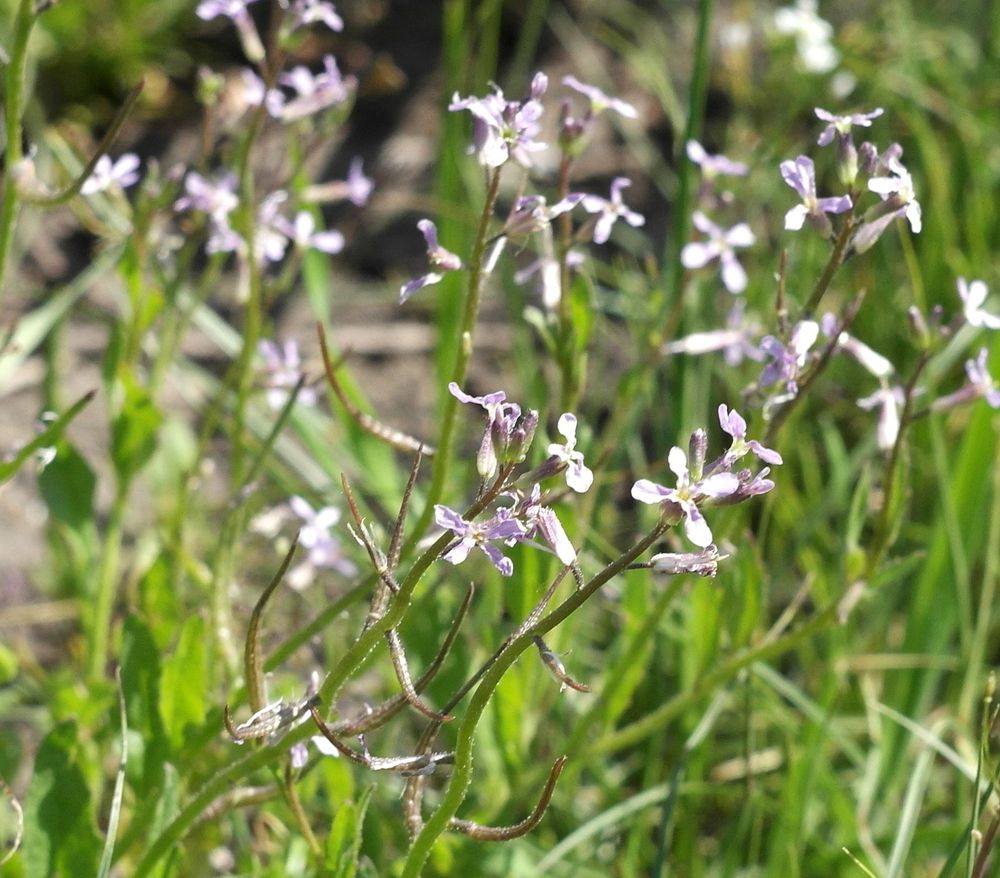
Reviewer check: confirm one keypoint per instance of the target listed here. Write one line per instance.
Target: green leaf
(343, 844)
(59, 832)
(182, 684)
(67, 486)
(141, 687)
(133, 431)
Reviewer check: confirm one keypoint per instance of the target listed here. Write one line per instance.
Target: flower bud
(868, 158)
(847, 160)
(697, 448)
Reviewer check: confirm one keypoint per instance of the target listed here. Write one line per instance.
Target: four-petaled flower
(439, 258)
(719, 246)
(610, 210)
(324, 549)
(284, 369)
(713, 166)
(981, 380)
(599, 101)
(898, 191)
(973, 295)
(124, 171)
(733, 423)
(306, 12)
(471, 535)
(578, 476)
(840, 126)
(505, 129)
(788, 361)
(302, 232)
(888, 399)
(800, 174)
(313, 92)
(236, 11)
(686, 495)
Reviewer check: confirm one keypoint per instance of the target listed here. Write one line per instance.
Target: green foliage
(60, 836)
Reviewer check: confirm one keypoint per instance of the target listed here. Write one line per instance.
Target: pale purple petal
(646, 491)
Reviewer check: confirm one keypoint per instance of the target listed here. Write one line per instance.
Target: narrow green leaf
(116, 798)
(133, 431)
(343, 844)
(182, 684)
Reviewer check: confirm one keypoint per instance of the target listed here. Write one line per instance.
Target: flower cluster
(506, 440)
(699, 484)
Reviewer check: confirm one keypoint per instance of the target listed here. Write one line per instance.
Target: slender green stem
(882, 537)
(64, 195)
(833, 263)
(462, 774)
(466, 330)
(13, 110)
(107, 577)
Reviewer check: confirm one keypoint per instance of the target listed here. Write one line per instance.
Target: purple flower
(306, 12)
(216, 197)
(123, 172)
(599, 101)
(788, 361)
(236, 10)
(578, 476)
(505, 129)
(531, 214)
(973, 295)
(719, 246)
(733, 423)
(713, 166)
(686, 495)
(610, 210)
(324, 549)
(703, 563)
(313, 92)
(233, 9)
(981, 380)
(359, 187)
(840, 126)
(870, 359)
(270, 229)
(735, 341)
(889, 401)
(439, 258)
(898, 191)
(540, 519)
(801, 176)
(472, 535)
(980, 386)
(507, 434)
(304, 235)
(284, 369)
